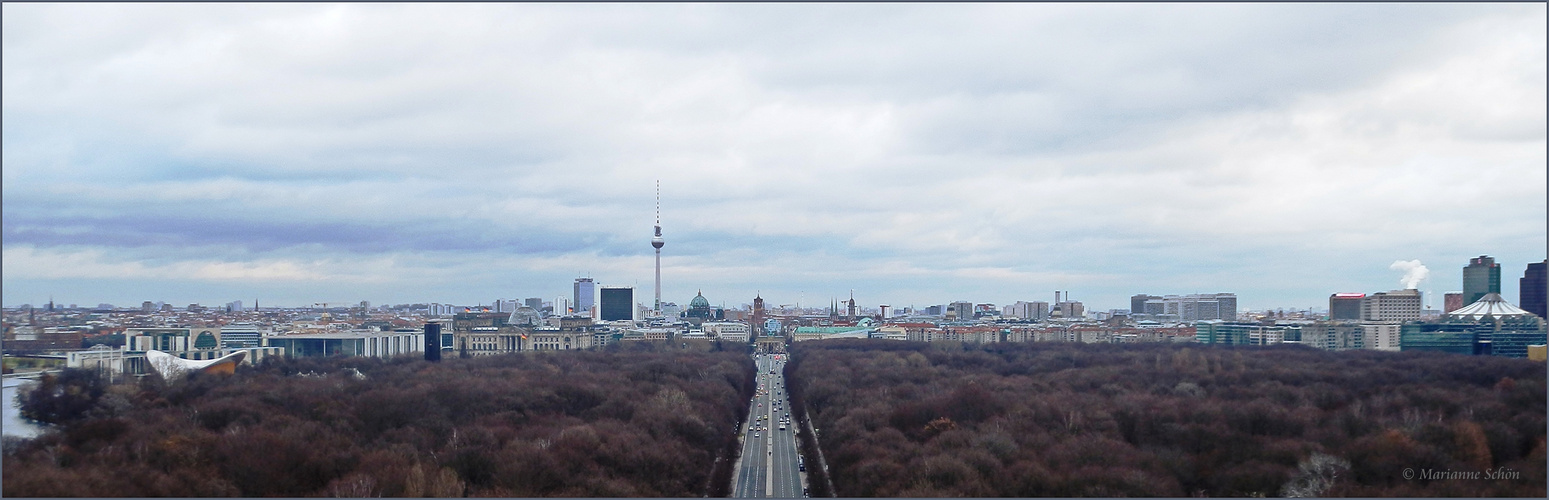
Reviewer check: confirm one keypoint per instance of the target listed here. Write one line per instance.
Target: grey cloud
(1154, 143)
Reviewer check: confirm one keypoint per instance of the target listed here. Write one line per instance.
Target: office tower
(617, 303)
(1345, 305)
(1028, 310)
(432, 341)
(1481, 276)
(585, 295)
(1137, 303)
(656, 241)
(1532, 293)
(1038, 310)
(961, 310)
(1191, 307)
(1452, 301)
(1396, 305)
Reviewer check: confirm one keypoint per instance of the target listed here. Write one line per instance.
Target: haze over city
(916, 154)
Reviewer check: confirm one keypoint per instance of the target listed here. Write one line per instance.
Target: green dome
(699, 301)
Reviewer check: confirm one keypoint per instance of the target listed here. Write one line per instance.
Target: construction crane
(326, 317)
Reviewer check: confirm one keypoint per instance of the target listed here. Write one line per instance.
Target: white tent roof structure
(1491, 304)
(172, 367)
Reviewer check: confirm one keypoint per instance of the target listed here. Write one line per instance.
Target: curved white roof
(173, 367)
(1491, 304)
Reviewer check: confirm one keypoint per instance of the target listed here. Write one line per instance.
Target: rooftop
(1491, 304)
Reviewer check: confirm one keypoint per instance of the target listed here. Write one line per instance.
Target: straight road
(770, 463)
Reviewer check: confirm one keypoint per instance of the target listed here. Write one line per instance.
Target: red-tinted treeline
(649, 422)
(1056, 419)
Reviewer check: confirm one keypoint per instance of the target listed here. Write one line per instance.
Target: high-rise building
(1396, 305)
(1452, 301)
(616, 303)
(1028, 310)
(1532, 293)
(1481, 276)
(1192, 307)
(1345, 306)
(657, 242)
(1137, 303)
(432, 339)
(960, 311)
(535, 303)
(585, 296)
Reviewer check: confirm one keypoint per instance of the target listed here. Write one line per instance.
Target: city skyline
(917, 154)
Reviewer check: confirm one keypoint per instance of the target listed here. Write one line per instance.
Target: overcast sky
(917, 154)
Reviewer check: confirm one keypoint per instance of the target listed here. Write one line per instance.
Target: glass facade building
(617, 303)
(1507, 337)
(1229, 333)
(1481, 276)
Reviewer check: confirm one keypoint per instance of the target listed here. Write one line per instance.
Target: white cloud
(1006, 146)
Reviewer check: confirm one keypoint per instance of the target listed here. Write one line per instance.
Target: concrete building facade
(1395, 305)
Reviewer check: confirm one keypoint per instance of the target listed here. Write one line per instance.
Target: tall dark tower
(1534, 284)
(432, 341)
(758, 314)
(656, 241)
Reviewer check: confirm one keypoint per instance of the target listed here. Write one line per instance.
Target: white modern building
(727, 331)
(352, 343)
(1396, 305)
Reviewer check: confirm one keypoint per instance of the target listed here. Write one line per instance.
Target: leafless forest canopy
(1055, 419)
(894, 419)
(649, 422)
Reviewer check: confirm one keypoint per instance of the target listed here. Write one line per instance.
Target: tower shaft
(658, 280)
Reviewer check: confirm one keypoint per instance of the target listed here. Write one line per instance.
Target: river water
(14, 424)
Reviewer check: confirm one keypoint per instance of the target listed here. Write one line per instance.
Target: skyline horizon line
(1425, 293)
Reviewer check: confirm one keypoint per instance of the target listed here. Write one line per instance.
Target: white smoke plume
(1414, 272)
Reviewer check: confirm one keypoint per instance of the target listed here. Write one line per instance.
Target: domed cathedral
(698, 309)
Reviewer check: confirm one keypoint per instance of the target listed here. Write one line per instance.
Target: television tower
(656, 241)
